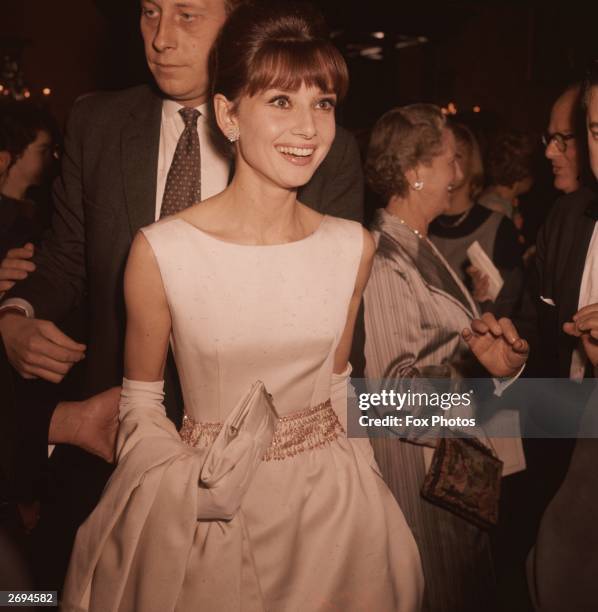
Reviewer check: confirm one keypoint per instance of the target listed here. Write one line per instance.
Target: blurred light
(452, 109)
(374, 53)
(476, 109)
(378, 35)
(1, 88)
(46, 91)
(410, 41)
(27, 93)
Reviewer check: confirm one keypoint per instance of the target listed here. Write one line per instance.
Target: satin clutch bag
(235, 455)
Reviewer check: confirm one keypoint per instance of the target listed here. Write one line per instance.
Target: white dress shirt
(588, 294)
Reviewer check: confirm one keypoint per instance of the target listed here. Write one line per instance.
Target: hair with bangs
(266, 45)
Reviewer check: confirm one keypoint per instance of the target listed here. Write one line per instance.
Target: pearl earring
(233, 134)
(418, 185)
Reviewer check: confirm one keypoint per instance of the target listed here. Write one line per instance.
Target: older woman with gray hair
(421, 322)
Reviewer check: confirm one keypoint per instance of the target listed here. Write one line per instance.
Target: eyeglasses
(560, 140)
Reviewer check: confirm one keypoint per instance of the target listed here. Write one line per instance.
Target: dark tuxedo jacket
(562, 247)
(106, 192)
(551, 299)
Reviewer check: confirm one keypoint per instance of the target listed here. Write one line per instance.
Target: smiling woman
(253, 286)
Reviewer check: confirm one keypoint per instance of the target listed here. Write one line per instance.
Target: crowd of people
(181, 319)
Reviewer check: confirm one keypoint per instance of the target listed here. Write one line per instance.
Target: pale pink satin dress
(318, 528)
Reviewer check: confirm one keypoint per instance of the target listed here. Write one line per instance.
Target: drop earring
(233, 134)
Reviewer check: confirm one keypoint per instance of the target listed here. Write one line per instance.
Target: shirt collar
(170, 108)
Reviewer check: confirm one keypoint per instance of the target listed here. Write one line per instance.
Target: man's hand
(497, 345)
(15, 267)
(481, 284)
(585, 326)
(91, 425)
(38, 349)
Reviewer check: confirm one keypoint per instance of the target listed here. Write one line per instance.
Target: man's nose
(552, 150)
(165, 37)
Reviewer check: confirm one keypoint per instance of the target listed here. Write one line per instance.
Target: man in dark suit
(119, 149)
(563, 566)
(551, 300)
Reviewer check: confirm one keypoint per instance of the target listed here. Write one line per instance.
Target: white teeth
(297, 151)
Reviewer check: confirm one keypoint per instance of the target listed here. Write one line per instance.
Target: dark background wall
(510, 58)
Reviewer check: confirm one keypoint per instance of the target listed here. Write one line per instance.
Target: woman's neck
(410, 213)
(262, 210)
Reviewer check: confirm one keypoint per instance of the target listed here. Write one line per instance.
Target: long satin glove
(342, 397)
(142, 412)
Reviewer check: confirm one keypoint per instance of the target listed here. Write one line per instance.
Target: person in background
(561, 140)
(27, 138)
(509, 165)
(466, 222)
(563, 565)
(418, 315)
(27, 141)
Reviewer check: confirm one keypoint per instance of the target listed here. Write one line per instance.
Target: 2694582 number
(26, 598)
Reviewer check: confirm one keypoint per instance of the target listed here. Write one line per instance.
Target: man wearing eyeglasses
(563, 565)
(564, 243)
(554, 295)
(561, 142)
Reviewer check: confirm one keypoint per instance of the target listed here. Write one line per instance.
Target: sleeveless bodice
(241, 313)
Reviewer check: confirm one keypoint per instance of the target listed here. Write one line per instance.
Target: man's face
(565, 164)
(592, 124)
(177, 36)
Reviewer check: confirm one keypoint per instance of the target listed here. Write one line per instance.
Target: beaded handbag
(464, 478)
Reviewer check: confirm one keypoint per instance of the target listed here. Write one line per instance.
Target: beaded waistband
(294, 433)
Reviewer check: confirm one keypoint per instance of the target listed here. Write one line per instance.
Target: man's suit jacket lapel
(580, 236)
(140, 143)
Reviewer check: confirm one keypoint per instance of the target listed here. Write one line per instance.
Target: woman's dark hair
(466, 138)
(510, 158)
(282, 45)
(401, 139)
(20, 124)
